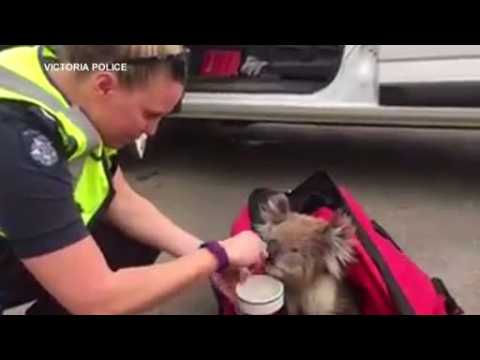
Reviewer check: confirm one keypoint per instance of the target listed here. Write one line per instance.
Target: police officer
(75, 238)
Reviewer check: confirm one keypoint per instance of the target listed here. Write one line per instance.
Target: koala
(309, 256)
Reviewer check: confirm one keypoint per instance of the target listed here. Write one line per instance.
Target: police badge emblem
(40, 148)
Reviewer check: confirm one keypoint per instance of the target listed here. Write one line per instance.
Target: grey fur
(311, 258)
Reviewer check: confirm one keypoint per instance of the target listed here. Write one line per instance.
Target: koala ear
(337, 241)
(276, 209)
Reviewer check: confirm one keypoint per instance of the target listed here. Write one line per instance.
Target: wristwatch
(220, 254)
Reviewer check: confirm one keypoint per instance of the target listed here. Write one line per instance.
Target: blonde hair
(137, 73)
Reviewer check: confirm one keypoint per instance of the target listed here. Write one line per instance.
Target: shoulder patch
(40, 148)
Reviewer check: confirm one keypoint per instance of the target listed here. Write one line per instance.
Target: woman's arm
(141, 220)
(80, 279)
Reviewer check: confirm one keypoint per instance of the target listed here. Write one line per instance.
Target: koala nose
(273, 248)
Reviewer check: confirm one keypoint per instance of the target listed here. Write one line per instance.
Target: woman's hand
(245, 250)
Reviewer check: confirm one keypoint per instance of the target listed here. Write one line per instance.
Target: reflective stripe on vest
(88, 160)
(16, 84)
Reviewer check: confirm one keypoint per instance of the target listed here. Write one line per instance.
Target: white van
(373, 85)
(430, 75)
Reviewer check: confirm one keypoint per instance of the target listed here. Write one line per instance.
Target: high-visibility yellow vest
(23, 78)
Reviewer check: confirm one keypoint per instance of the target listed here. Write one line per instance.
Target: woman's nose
(151, 128)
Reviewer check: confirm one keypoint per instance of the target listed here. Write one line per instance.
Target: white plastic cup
(260, 295)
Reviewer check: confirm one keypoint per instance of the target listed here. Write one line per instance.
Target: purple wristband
(220, 254)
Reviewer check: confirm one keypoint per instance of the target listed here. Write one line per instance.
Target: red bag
(387, 280)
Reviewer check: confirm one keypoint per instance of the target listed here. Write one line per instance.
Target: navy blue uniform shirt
(37, 209)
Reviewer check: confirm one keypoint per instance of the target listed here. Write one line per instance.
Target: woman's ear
(104, 83)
